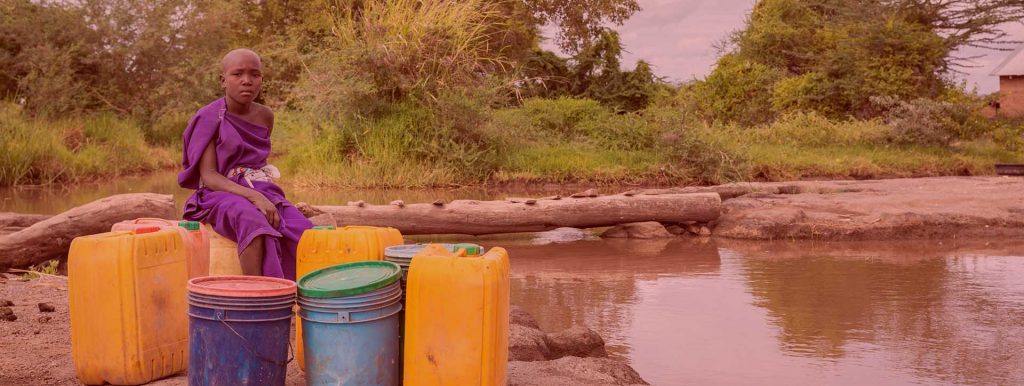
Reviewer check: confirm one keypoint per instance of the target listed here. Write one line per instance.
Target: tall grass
(43, 151)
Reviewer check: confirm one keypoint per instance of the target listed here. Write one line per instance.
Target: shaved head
(236, 55)
(241, 76)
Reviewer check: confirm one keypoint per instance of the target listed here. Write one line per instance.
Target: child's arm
(215, 181)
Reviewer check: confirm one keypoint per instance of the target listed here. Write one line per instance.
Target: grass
(42, 151)
(561, 140)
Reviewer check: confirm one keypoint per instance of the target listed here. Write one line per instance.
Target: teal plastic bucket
(352, 339)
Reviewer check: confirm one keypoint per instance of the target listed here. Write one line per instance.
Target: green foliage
(737, 90)
(45, 151)
(924, 121)
(380, 53)
(831, 57)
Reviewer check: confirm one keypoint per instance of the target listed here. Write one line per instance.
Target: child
(226, 146)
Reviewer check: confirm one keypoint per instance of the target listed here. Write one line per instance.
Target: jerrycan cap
(142, 230)
(471, 249)
(189, 225)
(349, 279)
(325, 227)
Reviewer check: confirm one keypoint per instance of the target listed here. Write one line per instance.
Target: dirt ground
(35, 351)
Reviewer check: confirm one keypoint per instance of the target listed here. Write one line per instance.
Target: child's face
(242, 78)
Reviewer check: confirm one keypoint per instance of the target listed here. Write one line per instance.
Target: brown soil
(939, 207)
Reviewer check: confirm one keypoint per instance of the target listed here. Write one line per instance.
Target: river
(722, 312)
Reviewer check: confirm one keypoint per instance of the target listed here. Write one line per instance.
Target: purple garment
(238, 142)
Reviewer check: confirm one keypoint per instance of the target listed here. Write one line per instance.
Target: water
(728, 312)
(721, 312)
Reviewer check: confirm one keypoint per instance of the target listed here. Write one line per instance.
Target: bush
(924, 121)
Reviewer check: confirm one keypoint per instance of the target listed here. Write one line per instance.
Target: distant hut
(1011, 85)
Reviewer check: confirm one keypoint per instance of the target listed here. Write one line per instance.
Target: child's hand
(267, 208)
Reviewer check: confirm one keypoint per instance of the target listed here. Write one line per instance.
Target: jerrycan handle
(142, 219)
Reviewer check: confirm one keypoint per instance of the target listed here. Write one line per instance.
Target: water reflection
(936, 311)
(594, 283)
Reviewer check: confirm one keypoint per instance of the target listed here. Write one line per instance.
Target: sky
(678, 37)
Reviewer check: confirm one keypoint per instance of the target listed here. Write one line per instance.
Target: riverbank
(562, 141)
(36, 349)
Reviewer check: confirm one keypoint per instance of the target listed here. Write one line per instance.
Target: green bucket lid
(190, 225)
(349, 279)
(325, 227)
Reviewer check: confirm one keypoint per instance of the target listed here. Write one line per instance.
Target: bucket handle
(220, 315)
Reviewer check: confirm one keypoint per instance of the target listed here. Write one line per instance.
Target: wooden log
(488, 217)
(50, 238)
(20, 220)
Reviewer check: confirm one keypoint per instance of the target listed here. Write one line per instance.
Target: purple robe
(239, 143)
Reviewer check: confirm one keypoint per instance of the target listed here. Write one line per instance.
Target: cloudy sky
(678, 36)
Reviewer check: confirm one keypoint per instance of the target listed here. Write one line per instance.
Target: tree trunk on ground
(523, 215)
(50, 238)
(20, 220)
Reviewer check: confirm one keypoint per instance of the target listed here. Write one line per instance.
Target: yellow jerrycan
(456, 324)
(223, 254)
(127, 303)
(324, 246)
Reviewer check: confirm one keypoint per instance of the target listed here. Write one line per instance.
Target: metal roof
(1013, 65)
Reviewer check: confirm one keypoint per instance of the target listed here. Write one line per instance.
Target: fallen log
(472, 217)
(20, 220)
(50, 238)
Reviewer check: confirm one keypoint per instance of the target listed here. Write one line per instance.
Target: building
(1011, 85)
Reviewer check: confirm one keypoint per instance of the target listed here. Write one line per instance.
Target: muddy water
(721, 312)
(725, 312)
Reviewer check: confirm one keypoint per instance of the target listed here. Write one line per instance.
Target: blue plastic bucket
(352, 340)
(239, 330)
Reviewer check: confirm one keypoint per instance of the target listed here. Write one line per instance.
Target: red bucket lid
(241, 286)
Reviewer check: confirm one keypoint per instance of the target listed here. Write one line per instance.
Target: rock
(7, 314)
(585, 194)
(519, 316)
(571, 370)
(638, 230)
(576, 341)
(44, 319)
(677, 230)
(438, 203)
(46, 307)
(6, 303)
(527, 344)
(561, 235)
(398, 203)
(704, 231)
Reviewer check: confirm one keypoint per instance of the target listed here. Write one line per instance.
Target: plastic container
(456, 324)
(126, 295)
(349, 315)
(197, 242)
(239, 330)
(223, 254)
(324, 246)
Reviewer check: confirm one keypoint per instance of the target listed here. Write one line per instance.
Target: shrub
(923, 121)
